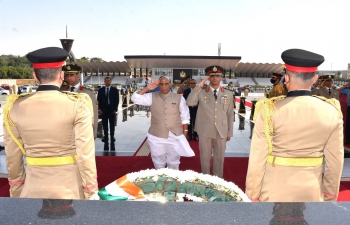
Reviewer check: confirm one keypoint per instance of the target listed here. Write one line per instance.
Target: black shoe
(104, 139)
(2, 148)
(113, 138)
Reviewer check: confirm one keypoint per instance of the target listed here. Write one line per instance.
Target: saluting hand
(201, 84)
(322, 84)
(153, 85)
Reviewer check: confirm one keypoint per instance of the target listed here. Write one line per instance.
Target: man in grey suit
(214, 122)
(72, 77)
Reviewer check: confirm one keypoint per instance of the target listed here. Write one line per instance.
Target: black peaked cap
(301, 58)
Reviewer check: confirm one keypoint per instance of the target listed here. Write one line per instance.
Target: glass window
(163, 72)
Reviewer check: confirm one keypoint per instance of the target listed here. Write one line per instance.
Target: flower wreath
(167, 185)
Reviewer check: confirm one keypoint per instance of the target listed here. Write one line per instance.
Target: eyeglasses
(192, 83)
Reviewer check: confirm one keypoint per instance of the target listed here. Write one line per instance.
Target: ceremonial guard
(287, 151)
(72, 76)
(53, 130)
(325, 88)
(277, 89)
(214, 121)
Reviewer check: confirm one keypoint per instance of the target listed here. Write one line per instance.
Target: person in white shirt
(169, 113)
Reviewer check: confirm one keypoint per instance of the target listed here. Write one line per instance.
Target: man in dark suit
(193, 112)
(108, 100)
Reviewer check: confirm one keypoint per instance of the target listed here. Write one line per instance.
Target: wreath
(167, 185)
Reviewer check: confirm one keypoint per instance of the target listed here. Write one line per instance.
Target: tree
(96, 59)
(83, 59)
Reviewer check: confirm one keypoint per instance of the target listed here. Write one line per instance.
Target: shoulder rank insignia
(85, 98)
(334, 102)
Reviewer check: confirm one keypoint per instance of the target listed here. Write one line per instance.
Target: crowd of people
(290, 159)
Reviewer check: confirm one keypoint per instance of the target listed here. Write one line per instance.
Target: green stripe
(104, 195)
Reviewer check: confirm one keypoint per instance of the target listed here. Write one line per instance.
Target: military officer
(54, 131)
(277, 89)
(72, 76)
(185, 85)
(214, 121)
(326, 89)
(287, 151)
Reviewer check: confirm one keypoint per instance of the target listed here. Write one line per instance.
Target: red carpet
(344, 193)
(4, 187)
(110, 168)
(247, 103)
(140, 147)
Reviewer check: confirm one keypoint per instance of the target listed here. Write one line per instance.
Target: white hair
(166, 78)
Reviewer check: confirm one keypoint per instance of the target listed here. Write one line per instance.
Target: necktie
(72, 89)
(215, 96)
(329, 90)
(107, 96)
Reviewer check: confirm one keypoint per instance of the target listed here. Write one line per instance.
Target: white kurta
(161, 146)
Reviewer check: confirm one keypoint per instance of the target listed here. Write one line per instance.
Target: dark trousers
(109, 116)
(347, 125)
(191, 132)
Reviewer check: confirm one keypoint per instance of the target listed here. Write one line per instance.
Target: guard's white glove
(95, 197)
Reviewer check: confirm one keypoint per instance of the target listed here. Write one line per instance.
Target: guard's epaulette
(267, 105)
(80, 97)
(69, 93)
(334, 102)
(25, 94)
(276, 99)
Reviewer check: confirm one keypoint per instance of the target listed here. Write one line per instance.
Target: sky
(256, 30)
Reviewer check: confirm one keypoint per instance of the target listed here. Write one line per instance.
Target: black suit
(108, 109)
(193, 113)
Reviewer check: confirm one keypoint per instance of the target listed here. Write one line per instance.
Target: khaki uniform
(295, 136)
(277, 90)
(51, 125)
(214, 123)
(93, 97)
(325, 93)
